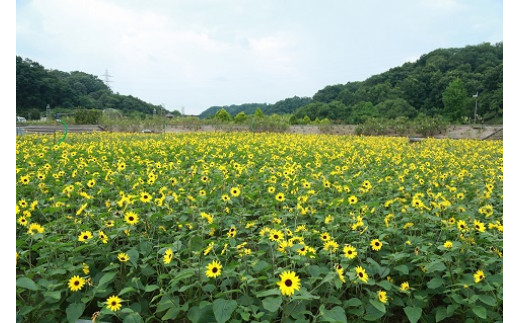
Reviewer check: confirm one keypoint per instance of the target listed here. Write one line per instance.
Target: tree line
(37, 87)
(444, 82)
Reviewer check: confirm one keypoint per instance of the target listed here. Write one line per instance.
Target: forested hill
(36, 87)
(286, 106)
(442, 82)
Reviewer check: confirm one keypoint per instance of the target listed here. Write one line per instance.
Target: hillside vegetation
(66, 92)
(442, 82)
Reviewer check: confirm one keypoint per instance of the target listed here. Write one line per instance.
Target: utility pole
(107, 76)
(476, 104)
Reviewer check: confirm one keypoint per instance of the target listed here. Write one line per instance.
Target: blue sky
(199, 53)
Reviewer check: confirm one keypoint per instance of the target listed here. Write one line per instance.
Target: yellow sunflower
(289, 282)
(131, 218)
(276, 235)
(349, 251)
(35, 228)
(381, 295)
(479, 276)
(76, 283)
(114, 303)
(213, 269)
(168, 256)
(361, 273)
(145, 197)
(123, 257)
(376, 244)
(85, 236)
(235, 191)
(331, 246)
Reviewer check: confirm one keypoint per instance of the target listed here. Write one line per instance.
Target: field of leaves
(233, 227)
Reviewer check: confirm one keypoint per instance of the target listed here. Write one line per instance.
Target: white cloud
(200, 53)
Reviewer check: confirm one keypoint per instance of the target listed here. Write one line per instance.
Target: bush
(84, 116)
(222, 115)
(429, 126)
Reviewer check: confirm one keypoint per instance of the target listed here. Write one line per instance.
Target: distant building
(21, 119)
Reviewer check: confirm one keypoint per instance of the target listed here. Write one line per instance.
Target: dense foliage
(286, 106)
(441, 82)
(37, 87)
(250, 227)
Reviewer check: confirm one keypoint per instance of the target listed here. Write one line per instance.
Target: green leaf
(305, 295)
(487, 299)
(133, 318)
(261, 265)
(208, 288)
(451, 309)
(269, 292)
(223, 309)
(378, 305)
(126, 290)
(435, 283)
(435, 266)
(170, 314)
(402, 269)
(353, 302)
(27, 283)
(385, 284)
(480, 311)
(336, 314)
(440, 314)
(74, 311)
(52, 296)
(413, 313)
(105, 279)
(150, 288)
(373, 314)
(272, 304)
(134, 256)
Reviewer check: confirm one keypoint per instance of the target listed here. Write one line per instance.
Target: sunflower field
(258, 227)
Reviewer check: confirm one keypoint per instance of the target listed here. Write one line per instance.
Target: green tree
(241, 117)
(223, 115)
(455, 99)
(306, 120)
(259, 113)
(362, 111)
(394, 108)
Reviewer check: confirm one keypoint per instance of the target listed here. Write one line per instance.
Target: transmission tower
(107, 76)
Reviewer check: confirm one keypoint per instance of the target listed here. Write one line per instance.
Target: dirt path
(455, 132)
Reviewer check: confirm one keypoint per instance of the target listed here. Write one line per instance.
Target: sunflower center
(288, 282)
(360, 275)
(215, 269)
(377, 244)
(131, 218)
(114, 303)
(76, 283)
(275, 237)
(480, 277)
(349, 252)
(85, 237)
